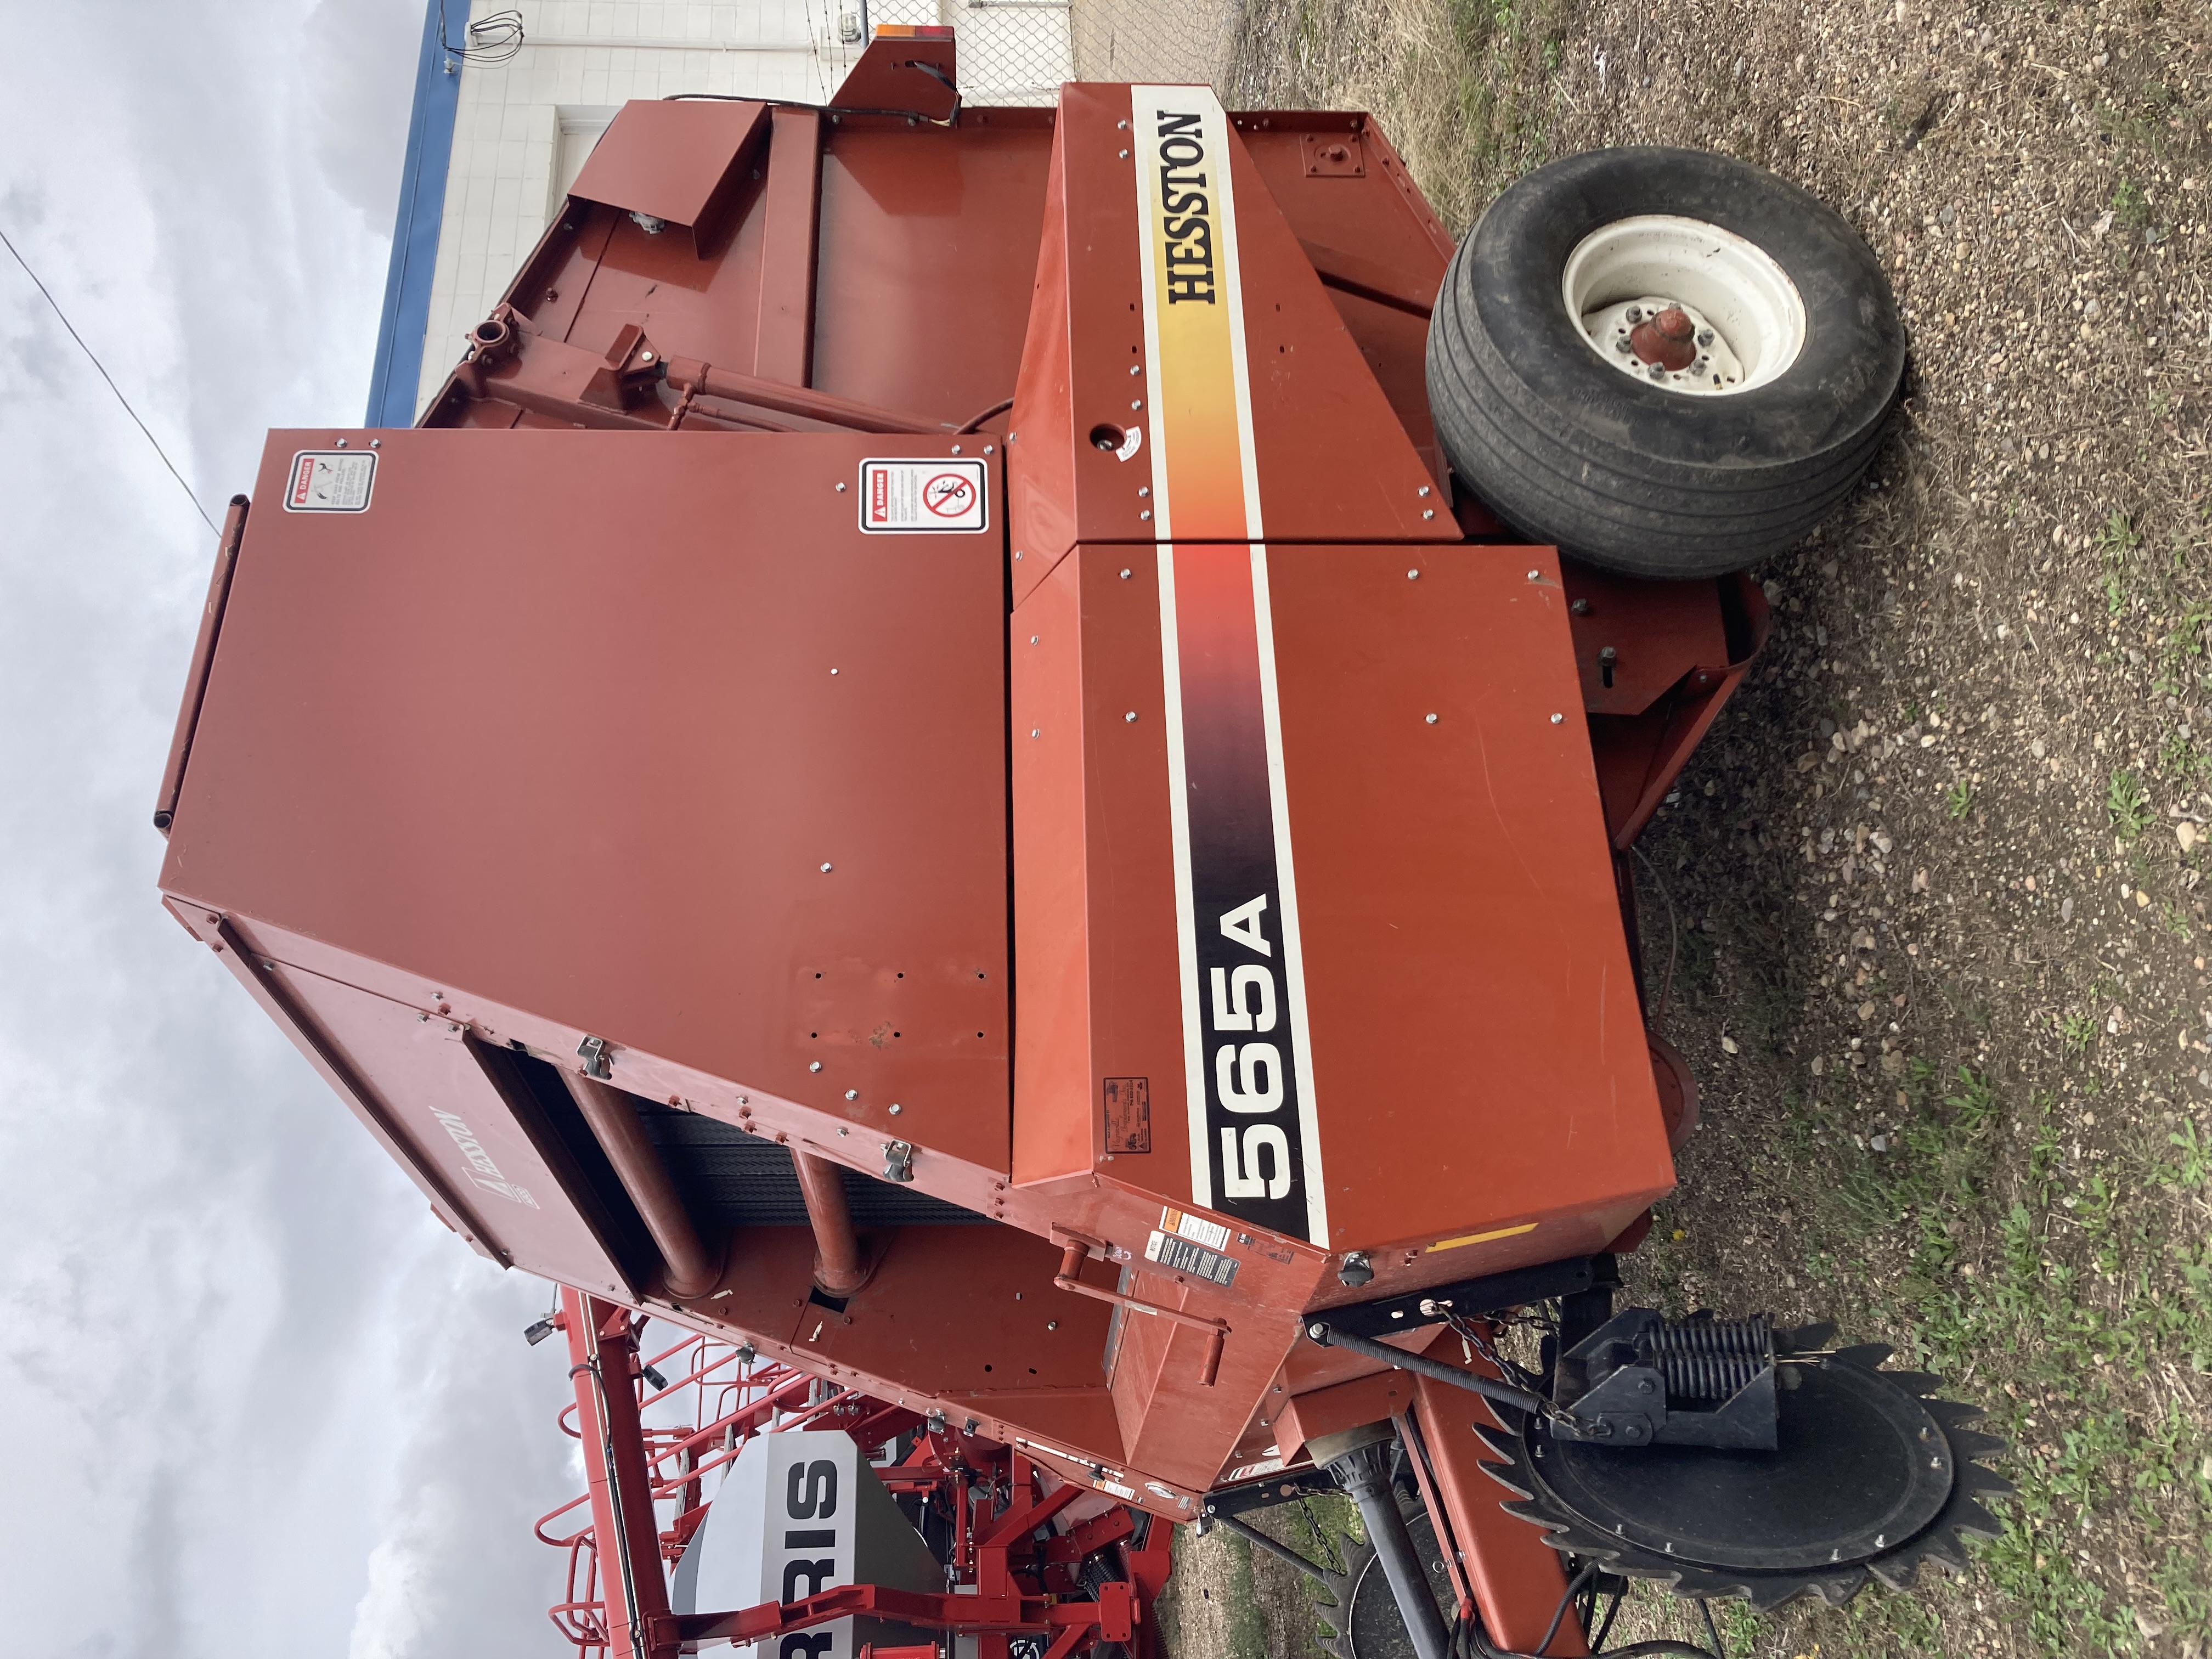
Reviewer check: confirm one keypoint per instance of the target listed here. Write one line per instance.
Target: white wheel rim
(1747, 318)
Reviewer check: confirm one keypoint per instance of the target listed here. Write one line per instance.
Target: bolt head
(1124, 576)
(1535, 575)
(1432, 720)
(1704, 336)
(896, 1108)
(814, 1065)
(840, 487)
(825, 869)
(1413, 575)
(852, 1094)
(1557, 719)
(1428, 513)
(1131, 717)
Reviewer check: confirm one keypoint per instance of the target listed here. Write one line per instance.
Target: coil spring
(1708, 1359)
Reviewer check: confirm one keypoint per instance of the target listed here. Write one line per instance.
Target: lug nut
(1704, 336)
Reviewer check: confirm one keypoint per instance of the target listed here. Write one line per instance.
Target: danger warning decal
(910, 497)
(330, 480)
(1255, 1147)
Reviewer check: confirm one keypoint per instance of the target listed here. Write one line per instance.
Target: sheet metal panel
(554, 721)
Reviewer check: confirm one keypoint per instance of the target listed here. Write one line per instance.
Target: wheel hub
(1686, 305)
(1688, 357)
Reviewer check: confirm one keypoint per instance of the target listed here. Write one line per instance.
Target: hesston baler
(937, 764)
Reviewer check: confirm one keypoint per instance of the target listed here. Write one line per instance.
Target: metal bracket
(898, 1160)
(1614, 1384)
(598, 1062)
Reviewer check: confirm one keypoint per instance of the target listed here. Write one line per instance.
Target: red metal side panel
(1018, 1338)
(677, 160)
(929, 252)
(1268, 420)
(1479, 1093)
(1053, 1134)
(1478, 1054)
(1094, 872)
(1042, 446)
(439, 1097)
(554, 721)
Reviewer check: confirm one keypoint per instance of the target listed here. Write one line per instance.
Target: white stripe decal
(1294, 965)
(1201, 1163)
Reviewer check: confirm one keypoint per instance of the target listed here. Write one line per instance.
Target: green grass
(2085, 1293)
(2130, 205)
(2192, 1163)
(2127, 803)
(1958, 798)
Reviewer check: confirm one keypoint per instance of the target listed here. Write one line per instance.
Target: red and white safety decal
(907, 497)
(1255, 1143)
(330, 480)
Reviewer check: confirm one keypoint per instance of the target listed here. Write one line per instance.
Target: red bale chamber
(919, 766)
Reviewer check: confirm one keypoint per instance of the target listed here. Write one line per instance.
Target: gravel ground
(1938, 937)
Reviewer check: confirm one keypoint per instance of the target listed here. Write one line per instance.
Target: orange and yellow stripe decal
(1204, 485)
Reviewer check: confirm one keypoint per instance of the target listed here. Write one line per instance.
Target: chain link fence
(1019, 52)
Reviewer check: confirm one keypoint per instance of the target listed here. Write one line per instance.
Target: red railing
(733, 1399)
(1015, 1562)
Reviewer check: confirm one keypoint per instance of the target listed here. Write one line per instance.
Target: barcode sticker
(1182, 1256)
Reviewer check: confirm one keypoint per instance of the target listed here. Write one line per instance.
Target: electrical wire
(976, 421)
(1604, 1628)
(1673, 940)
(1558, 1614)
(110, 379)
(492, 39)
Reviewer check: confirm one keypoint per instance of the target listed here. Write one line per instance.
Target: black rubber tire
(1567, 449)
